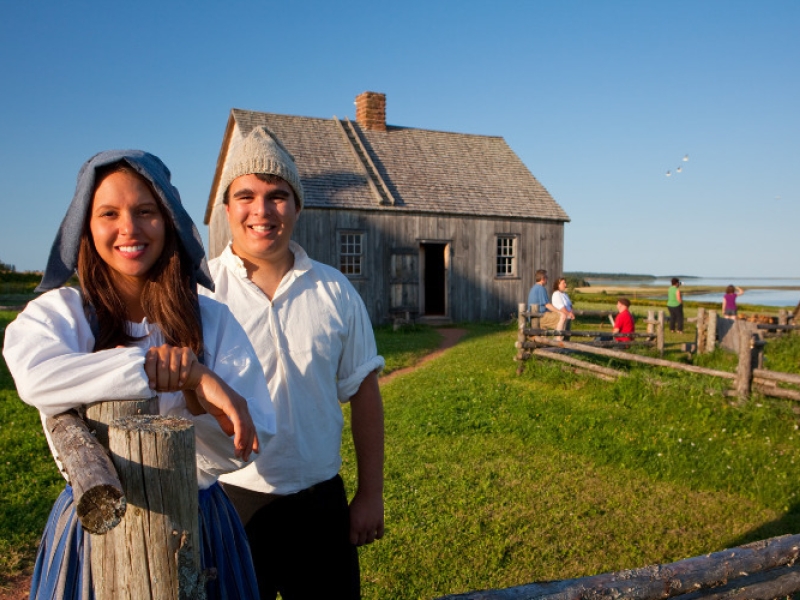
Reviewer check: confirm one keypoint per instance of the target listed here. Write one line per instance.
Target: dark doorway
(435, 278)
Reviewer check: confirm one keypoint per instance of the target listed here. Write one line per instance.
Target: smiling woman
(134, 330)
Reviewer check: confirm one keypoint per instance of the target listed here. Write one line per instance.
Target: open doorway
(434, 278)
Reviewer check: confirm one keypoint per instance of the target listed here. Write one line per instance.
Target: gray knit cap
(260, 152)
(64, 253)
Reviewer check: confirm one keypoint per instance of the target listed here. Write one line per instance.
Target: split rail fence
(532, 341)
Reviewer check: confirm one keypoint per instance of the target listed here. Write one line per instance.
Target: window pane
(506, 256)
(350, 253)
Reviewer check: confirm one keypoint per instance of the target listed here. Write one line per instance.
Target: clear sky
(598, 98)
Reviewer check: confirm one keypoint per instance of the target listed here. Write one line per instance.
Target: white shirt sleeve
(359, 352)
(48, 349)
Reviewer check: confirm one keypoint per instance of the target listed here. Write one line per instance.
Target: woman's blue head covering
(64, 254)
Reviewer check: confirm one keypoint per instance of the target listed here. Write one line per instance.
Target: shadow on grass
(789, 524)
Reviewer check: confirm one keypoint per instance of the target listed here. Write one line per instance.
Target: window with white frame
(351, 253)
(506, 256)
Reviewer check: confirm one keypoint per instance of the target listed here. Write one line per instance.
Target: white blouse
(561, 300)
(48, 349)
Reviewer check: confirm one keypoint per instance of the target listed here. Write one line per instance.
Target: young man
(624, 321)
(539, 296)
(315, 342)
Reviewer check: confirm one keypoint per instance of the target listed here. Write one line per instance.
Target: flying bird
(668, 173)
(686, 158)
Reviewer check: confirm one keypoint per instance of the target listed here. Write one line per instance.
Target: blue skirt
(63, 564)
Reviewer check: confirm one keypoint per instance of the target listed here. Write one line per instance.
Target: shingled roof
(345, 165)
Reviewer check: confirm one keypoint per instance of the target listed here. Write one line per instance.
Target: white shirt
(316, 345)
(48, 349)
(561, 300)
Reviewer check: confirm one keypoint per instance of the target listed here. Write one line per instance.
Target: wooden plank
(664, 581)
(613, 373)
(659, 362)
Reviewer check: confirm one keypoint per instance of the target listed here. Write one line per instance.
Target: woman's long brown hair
(169, 297)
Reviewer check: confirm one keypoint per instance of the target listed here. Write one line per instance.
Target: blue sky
(599, 98)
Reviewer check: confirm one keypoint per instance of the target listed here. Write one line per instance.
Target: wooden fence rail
(763, 570)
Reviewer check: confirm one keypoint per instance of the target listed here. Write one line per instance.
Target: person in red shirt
(624, 321)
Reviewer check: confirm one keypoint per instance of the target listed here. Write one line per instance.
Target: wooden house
(440, 226)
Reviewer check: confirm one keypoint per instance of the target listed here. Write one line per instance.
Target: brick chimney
(371, 111)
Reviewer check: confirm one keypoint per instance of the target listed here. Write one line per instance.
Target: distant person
(563, 305)
(624, 322)
(538, 296)
(729, 308)
(675, 306)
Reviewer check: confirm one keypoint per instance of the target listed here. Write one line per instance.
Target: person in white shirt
(563, 306)
(312, 333)
(136, 329)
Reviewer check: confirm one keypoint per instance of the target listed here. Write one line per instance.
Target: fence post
(744, 370)
(113, 568)
(701, 330)
(521, 354)
(153, 553)
(711, 335)
(660, 333)
(783, 319)
(651, 317)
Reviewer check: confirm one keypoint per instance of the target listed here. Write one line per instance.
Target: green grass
(29, 480)
(495, 480)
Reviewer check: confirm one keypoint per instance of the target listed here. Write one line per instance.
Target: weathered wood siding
(474, 292)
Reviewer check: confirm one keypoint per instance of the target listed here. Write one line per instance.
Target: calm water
(758, 290)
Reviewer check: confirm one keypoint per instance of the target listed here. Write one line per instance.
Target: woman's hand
(169, 368)
(173, 369)
(229, 409)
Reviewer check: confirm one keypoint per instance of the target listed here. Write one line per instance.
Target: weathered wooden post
(744, 370)
(660, 333)
(153, 553)
(783, 319)
(701, 330)
(535, 321)
(651, 321)
(711, 331)
(521, 352)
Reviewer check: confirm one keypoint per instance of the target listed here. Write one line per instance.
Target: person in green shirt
(675, 306)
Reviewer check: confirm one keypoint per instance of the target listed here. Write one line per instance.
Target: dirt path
(17, 588)
(450, 337)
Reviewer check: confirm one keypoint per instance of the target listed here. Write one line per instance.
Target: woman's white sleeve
(48, 349)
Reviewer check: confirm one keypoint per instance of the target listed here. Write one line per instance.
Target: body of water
(762, 291)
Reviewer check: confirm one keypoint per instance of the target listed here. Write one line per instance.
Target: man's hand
(366, 519)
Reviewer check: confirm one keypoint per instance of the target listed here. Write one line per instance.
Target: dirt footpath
(450, 337)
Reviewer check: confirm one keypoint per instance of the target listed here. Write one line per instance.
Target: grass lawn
(495, 480)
